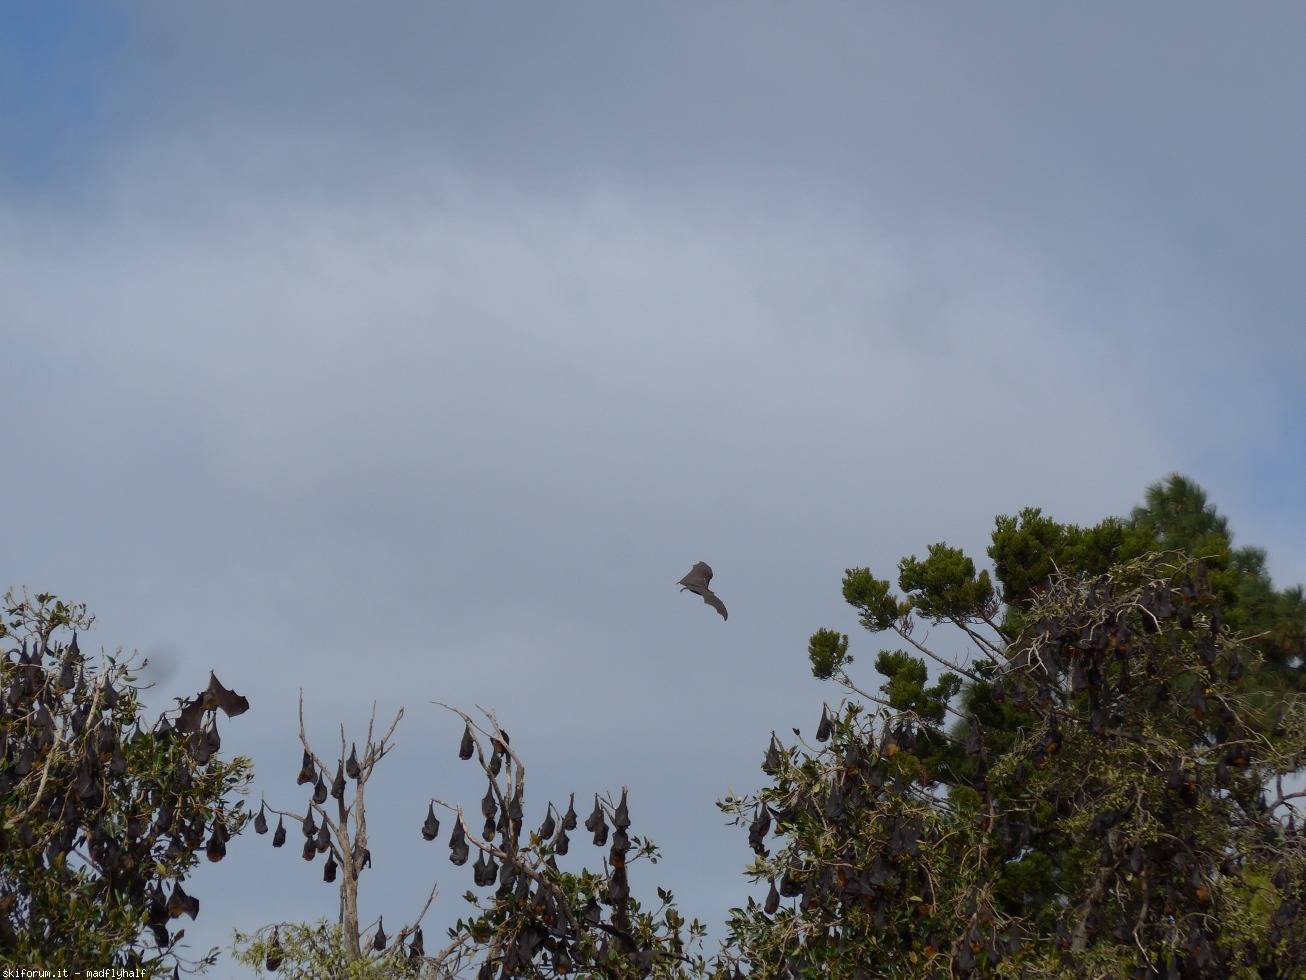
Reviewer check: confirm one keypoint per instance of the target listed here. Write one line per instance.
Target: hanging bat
(351, 764)
(307, 770)
(216, 849)
(549, 827)
(621, 815)
(190, 717)
(697, 582)
(431, 826)
(458, 846)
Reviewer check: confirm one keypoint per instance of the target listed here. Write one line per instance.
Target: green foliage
(870, 597)
(1179, 517)
(828, 652)
(945, 586)
(1030, 549)
(101, 817)
(299, 951)
(906, 686)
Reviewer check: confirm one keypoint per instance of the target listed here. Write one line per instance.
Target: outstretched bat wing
(229, 701)
(710, 598)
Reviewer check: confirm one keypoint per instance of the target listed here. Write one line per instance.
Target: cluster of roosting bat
(202, 743)
(525, 880)
(66, 739)
(531, 919)
(857, 890)
(1162, 650)
(345, 847)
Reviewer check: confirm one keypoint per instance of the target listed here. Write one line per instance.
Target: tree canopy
(1109, 798)
(1098, 807)
(102, 815)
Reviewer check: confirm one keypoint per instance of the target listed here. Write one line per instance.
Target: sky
(411, 353)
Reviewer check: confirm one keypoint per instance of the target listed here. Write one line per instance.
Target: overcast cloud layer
(412, 353)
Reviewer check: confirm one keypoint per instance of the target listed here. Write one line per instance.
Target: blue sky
(412, 353)
(57, 62)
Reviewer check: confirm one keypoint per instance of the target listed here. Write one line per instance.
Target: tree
(336, 949)
(539, 921)
(101, 815)
(1109, 800)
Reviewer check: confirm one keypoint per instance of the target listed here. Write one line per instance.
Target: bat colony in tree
(697, 582)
